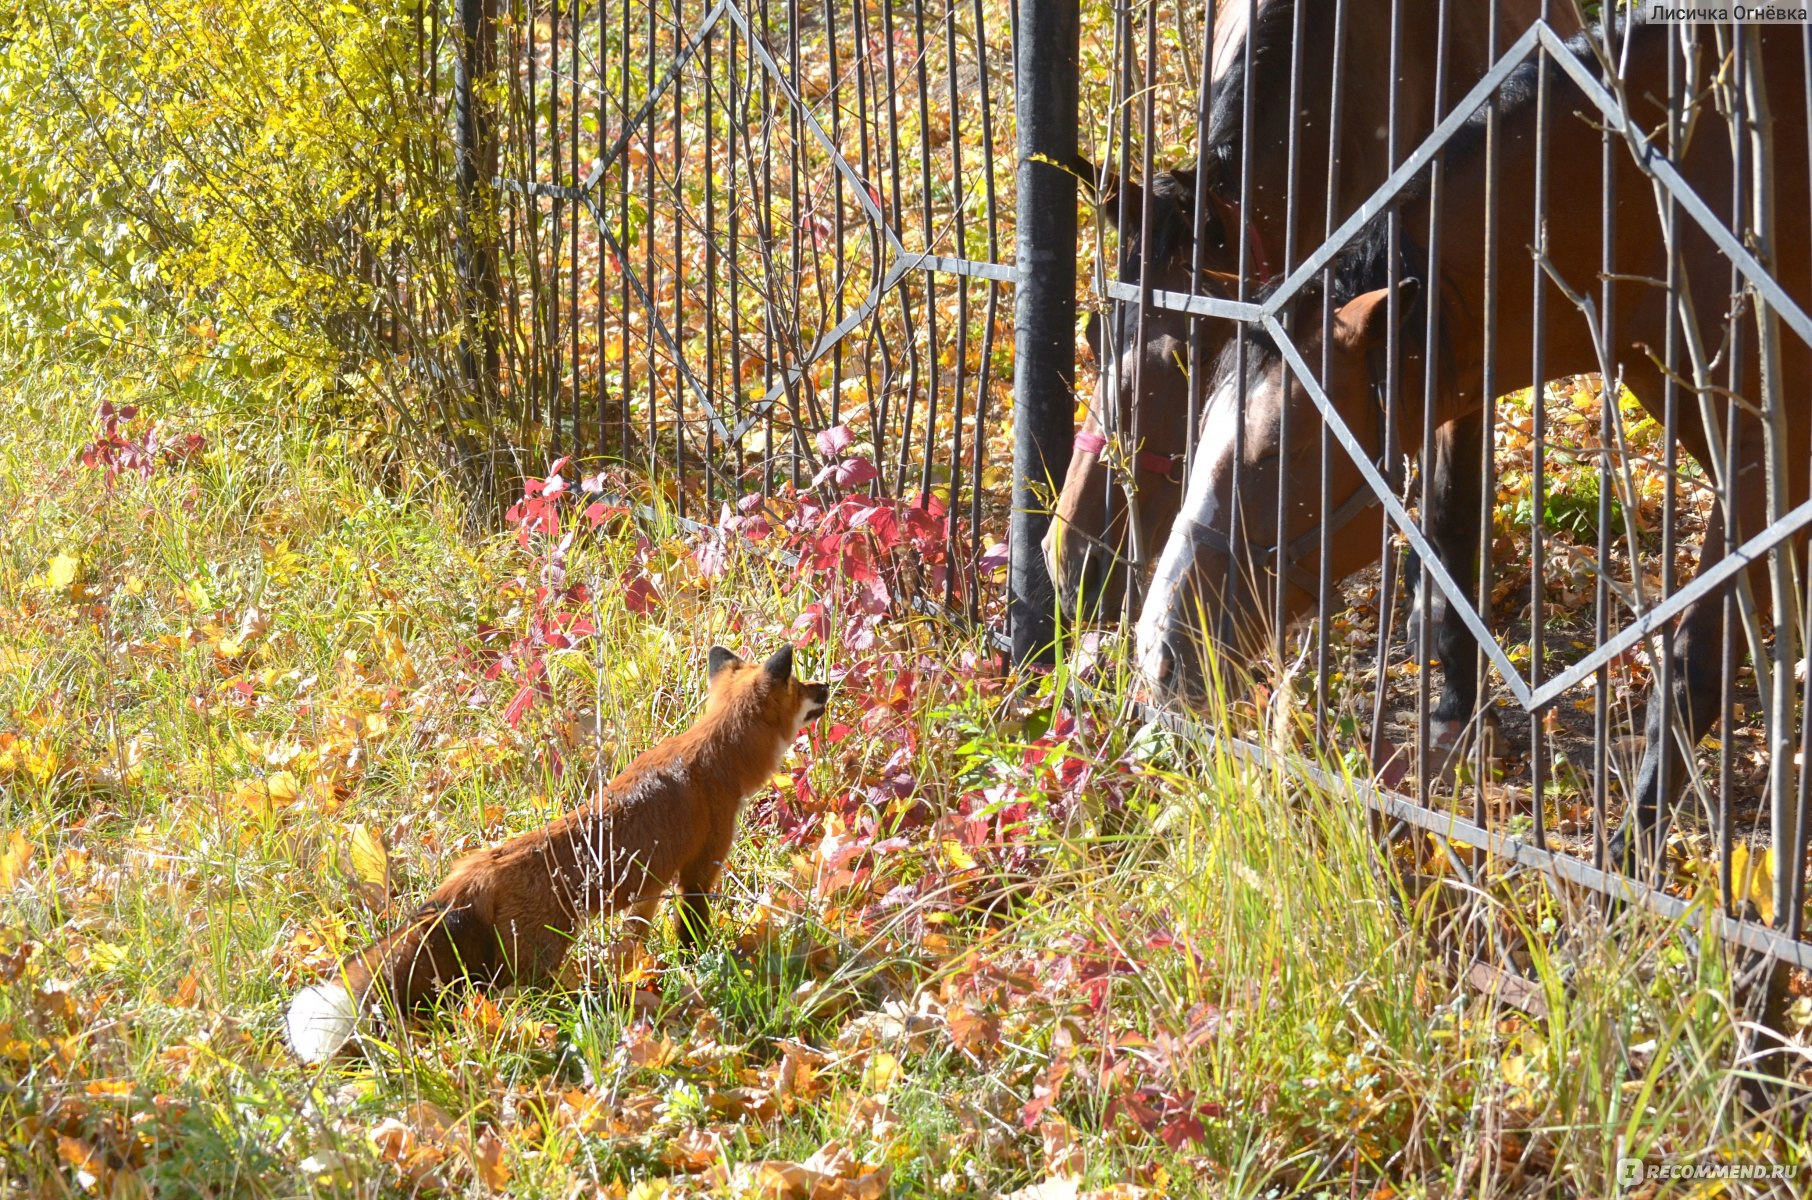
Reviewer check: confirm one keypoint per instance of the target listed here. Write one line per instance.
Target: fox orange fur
(507, 914)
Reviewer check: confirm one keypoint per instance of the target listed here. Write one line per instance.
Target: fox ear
(717, 660)
(780, 666)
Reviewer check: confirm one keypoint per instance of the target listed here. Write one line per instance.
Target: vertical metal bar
(1112, 350)
(1204, 106)
(796, 206)
(1610, 395)
(764, 229)
(434, 71)
(958, 228)
(1135, 529)
(1431, 346)
(928, 278)
(1538, 449)
(985, 379)
(713, 339)
(476, 141)
(1393, 391)
(521, 413)
(1324, 581)
(625, 51)
(904, 292)
(556, 359)
(681, 274)
(649, 170)
(867, 122)
(1732, 529)
(892, 94)
(1783, 803)
(838, 214)
(1236, 517)
(531, 116)
(1663, 679)
(572, 307)
(1044, 327)
(603, 443)
(1796, 907)
(1291, 216)
(1488, 390)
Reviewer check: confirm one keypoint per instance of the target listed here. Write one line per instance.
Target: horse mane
(1172, 199)
(1268, 31)
(1171, 194)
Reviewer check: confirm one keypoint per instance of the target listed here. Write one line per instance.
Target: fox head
(765, 693)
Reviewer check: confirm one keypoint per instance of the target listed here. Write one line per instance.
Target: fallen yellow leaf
(1752, 879)
(881, 1073)
(370, 859)
(63, 571)
(14, 860)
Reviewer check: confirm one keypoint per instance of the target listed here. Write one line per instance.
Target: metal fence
(728, 230)
(1535, 373)
(1439, 362)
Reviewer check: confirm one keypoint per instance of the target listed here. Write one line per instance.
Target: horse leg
(1456, 504)
(1409, 584)
(1694, 674)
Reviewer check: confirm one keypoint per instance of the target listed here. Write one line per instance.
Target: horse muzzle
(1089, 574)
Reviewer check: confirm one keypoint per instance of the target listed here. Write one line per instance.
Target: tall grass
(1217, 981)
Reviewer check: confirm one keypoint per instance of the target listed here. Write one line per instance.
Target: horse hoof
(1451, 742)
(1412, 631)
(1444, 737)
(1631, 852)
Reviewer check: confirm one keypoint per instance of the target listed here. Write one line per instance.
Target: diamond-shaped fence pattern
(732, 229)
(1597, 505)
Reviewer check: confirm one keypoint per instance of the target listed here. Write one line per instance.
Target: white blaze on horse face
(1167, 605)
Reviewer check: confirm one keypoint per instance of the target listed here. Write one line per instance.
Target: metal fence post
(475, 136)
(1046, 99)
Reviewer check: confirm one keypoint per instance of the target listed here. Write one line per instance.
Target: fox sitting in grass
(507, 914)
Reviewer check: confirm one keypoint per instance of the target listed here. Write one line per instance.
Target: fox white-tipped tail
(321, 1019)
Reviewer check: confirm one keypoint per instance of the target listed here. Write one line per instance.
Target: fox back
(507, 914)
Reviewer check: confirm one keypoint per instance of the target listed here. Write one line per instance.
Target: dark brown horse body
(1203, 553)
(1087, 548)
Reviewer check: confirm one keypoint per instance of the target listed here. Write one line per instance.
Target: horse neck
(1368, 93)
(1572, 249)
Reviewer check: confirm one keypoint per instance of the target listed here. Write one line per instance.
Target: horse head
(1254, 507)
(1125, 474)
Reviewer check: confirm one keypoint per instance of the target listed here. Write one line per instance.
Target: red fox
(506, 915)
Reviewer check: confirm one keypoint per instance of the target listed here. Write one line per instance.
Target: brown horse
(1214, 576)
(1138, 421)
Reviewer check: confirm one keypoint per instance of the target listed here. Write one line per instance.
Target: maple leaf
(488, 1162)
